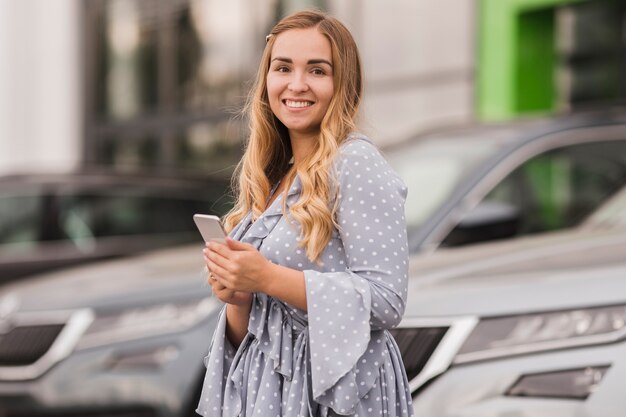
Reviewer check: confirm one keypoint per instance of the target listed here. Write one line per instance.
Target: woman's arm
(286, 284)
(237, 317)
(240, 267)
(238, 305)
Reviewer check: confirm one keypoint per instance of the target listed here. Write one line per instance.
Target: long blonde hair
(268, 150)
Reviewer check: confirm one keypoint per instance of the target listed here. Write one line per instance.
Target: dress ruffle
(340, 375)
(218, 363)
(228, 393)
(275, 329)
(261, 228)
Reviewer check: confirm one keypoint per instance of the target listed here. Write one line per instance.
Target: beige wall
(418, 57)
(40, 118)
(418, 60)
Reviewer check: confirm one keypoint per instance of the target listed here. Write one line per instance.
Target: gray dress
(337, 359)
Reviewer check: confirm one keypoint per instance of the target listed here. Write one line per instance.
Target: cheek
(272, 96)
(327, 93)
(273, 88)
(330, 93)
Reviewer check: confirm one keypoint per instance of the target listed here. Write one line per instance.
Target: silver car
(117, 338)
(483, 183)
(51, 221)
(531, 327)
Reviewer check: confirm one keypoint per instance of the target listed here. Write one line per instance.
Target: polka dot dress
(337, 358)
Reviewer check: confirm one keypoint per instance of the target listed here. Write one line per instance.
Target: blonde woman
(315, 269)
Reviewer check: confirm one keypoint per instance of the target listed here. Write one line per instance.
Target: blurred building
(41, 113)
(159, 84)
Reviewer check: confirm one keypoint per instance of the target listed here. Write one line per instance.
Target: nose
(298, 82)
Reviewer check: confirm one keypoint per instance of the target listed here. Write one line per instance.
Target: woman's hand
(237, 267)
(221, 260)
(238, 298)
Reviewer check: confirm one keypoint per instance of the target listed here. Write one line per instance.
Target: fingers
(235, 269)
(219, 283)
(220, 291)
(218, 254)
(218, 274)
(236, 245)
(214, 258)
(224, 295)
(212, 281)
(218, 248)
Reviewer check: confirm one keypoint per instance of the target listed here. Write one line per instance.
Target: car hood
(163, 274)
(548, 272)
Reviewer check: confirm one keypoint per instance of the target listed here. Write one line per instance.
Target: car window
(99, 215)
(20, 220)
(551, 191)
(611, 214)
(432, 169)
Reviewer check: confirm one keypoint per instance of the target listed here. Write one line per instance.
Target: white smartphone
(210, 228)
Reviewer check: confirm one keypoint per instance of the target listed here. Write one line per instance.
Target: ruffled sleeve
(348, 309)
(218, 363)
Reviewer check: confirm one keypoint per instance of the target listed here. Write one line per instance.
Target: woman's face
(300, 80)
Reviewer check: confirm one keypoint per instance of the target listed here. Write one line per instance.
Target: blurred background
(119, 119)
(155, 83)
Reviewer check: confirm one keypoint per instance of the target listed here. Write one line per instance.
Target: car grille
(24, 345)
(417, 345)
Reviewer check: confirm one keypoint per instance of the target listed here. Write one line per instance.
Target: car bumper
(103, 381)
(480, 389)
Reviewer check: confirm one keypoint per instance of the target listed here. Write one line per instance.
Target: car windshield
(434, 167)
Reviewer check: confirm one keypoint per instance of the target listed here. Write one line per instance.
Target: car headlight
(146, 321)
(504, 336)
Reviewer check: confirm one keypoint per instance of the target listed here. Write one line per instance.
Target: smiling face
(300, 80)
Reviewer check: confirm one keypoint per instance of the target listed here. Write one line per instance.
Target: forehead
(302, 44)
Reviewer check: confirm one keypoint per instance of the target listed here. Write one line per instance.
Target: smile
(297, 104)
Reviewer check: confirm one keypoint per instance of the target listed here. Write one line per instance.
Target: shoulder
(360, 162)
(358, 144)
(358, 147)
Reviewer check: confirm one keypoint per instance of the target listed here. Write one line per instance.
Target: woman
(315, 269)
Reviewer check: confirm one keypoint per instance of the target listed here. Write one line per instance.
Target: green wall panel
(516, 57)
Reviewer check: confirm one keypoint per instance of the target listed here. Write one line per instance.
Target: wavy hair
(268, 150)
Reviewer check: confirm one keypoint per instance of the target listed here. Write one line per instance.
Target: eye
(318, 71)
(281, 68)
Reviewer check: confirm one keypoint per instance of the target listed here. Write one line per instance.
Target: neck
(302, 145)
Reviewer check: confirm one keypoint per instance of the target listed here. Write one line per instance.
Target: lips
(297, 104)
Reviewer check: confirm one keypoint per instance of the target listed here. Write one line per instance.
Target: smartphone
(210, 228)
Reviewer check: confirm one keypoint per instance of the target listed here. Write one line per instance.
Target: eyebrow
(309, 62)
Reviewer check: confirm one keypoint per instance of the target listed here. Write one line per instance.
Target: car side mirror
(487, 221)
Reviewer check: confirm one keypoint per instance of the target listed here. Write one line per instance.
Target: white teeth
(291, 103)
